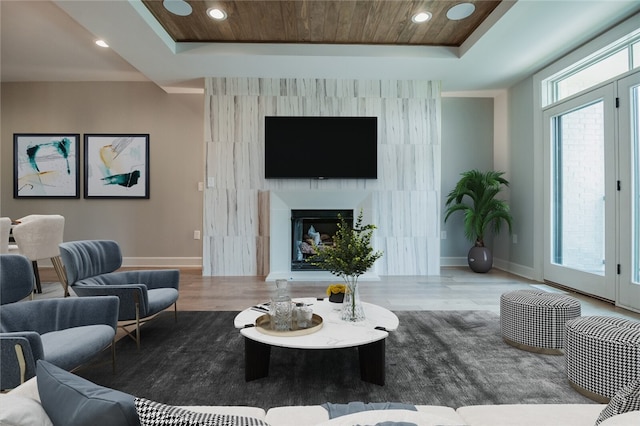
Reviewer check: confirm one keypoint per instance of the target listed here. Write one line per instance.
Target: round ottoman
(534, 320)
(602, 355)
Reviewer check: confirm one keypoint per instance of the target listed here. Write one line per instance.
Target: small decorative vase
(281, 308)
(336, 297)
(480, 259)
(352, 309)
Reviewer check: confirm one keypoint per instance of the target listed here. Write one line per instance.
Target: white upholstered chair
(5, 229)
(37, 237)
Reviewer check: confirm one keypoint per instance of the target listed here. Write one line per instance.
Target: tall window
(579, 188)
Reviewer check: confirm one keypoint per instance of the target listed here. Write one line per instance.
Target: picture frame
(46, 165)
(116, 165)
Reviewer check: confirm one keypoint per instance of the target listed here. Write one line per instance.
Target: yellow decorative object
(335, 289)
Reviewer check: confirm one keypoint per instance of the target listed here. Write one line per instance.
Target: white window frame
(626, 42)
(540, 99)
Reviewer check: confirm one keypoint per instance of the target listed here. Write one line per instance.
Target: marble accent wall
(405, 197)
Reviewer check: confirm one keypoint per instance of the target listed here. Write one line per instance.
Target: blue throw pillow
(70, 400)
(337, 410)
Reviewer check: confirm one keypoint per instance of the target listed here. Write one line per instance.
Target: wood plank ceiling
(377, 22)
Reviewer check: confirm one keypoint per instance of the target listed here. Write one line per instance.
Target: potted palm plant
(350, 256)
(475, 196)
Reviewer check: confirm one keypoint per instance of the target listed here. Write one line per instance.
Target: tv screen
(321, 147)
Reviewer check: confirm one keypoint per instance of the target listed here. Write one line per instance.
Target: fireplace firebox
(313, 226)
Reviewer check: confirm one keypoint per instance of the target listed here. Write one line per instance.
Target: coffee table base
(256, 359)
(372, 361)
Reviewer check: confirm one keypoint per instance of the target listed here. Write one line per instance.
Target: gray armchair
(66, 332)
(91, 268)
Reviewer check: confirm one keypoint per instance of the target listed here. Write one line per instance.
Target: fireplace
(309, 227)
(281, 241)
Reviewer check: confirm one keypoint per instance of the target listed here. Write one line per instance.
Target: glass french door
(580, 193)
(629, 160)
(592, 192)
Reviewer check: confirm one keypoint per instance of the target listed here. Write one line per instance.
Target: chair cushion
(70, 400)
(74, 346)
(160, 299)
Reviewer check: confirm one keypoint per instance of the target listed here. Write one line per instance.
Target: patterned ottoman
(534, 320)
(602, 355)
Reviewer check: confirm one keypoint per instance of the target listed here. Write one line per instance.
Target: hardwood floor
(454, 289)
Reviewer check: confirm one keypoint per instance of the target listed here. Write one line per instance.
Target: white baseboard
(171, 262)
(453, 261)
(503, 265)
(513, 268)
(196, 262)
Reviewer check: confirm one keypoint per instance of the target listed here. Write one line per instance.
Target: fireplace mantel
(282, 202)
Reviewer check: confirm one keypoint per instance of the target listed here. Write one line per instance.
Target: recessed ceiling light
(461, 11)
(217, 14)
(102, 43)
(421, 17)
(178, 7)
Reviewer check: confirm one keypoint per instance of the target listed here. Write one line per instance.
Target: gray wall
(160, 227)
(467, 143)
(524, 174)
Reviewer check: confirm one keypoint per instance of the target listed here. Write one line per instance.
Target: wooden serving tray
(263, 324)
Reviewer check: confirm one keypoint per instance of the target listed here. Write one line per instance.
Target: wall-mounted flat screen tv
(321, 147)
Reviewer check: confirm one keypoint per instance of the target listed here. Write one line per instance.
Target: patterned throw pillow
(156, 414)
(625, 400)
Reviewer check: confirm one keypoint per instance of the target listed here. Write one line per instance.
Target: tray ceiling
(373, 22)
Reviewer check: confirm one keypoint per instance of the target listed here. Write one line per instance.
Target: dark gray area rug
(450, 358)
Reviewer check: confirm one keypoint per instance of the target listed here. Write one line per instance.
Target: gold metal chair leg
(138, 325)
(22, 362)
(62, 275)
(137, 322)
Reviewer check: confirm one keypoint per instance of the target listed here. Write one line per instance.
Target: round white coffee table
(368, 336)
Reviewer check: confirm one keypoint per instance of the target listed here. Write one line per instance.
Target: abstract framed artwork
(116, 166)
(46, 165)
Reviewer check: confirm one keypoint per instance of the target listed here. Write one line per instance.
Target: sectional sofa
(56, 397)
